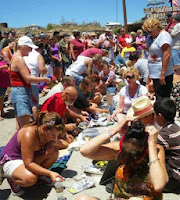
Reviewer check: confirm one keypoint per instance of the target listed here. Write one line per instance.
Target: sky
(18, 13)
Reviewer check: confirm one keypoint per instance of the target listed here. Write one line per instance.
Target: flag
(175, 3)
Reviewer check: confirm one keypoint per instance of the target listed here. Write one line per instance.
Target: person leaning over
(141, 168)
(60, 101)
(32, 151)
(60, 87)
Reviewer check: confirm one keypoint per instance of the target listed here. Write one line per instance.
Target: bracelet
(153, 162)
(109, 132)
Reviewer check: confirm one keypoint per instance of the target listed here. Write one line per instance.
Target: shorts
(176, 57)
(10, 166)
(21, 100)
(57, 64)
(2, 92)
(35, 93)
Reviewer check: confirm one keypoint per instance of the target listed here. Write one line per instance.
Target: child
(107, 76)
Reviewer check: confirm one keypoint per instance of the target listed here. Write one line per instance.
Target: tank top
(126, 186)
(12, 151)
(17, 80)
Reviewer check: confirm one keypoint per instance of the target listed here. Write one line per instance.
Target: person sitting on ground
(107, 76)
(141, 170)
(81, 103)
(95, 96)
(58, 103)
(129, 93)
(169, 138)
(142, 110)
(32, 151)
(162, 117)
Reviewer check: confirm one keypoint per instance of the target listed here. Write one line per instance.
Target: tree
(49, 26)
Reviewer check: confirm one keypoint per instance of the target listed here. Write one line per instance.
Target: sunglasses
(129, 77)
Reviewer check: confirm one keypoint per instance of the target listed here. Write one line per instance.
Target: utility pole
(125, 16)
(116, 10)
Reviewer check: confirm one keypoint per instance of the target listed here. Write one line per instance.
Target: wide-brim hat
(107, 30)
(141, 107)
(93, 34)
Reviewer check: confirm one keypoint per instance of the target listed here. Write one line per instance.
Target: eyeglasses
(129, 77)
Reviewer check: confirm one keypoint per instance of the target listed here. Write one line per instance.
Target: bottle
(58, 185)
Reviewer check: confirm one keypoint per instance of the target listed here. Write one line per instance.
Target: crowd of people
(143, 71)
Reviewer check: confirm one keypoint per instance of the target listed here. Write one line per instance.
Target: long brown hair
(133, 149)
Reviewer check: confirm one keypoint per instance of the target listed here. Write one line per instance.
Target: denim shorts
(2, 92)
(21, 100)
(176, 56)
(35, 93)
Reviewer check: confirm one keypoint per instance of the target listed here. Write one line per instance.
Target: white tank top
(32, 62)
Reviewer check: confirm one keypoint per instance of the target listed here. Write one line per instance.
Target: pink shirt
(91, 51)
(4, 76)
(139, 40)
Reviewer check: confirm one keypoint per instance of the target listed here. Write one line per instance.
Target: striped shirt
(169, 138)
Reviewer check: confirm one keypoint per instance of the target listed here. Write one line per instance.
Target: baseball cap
(177, 17)
(169, 15)
(43, 36)
(26, 41)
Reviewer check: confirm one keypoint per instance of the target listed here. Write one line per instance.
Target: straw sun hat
(141, 107)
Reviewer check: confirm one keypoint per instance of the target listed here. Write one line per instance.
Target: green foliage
(49, 26)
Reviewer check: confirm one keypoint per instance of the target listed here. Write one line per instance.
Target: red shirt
(78, 47)
(55, 104)
(17, 80)
(122, 40)
(4, 76)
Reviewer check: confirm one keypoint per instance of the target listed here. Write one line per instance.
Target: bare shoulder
(27, 133)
